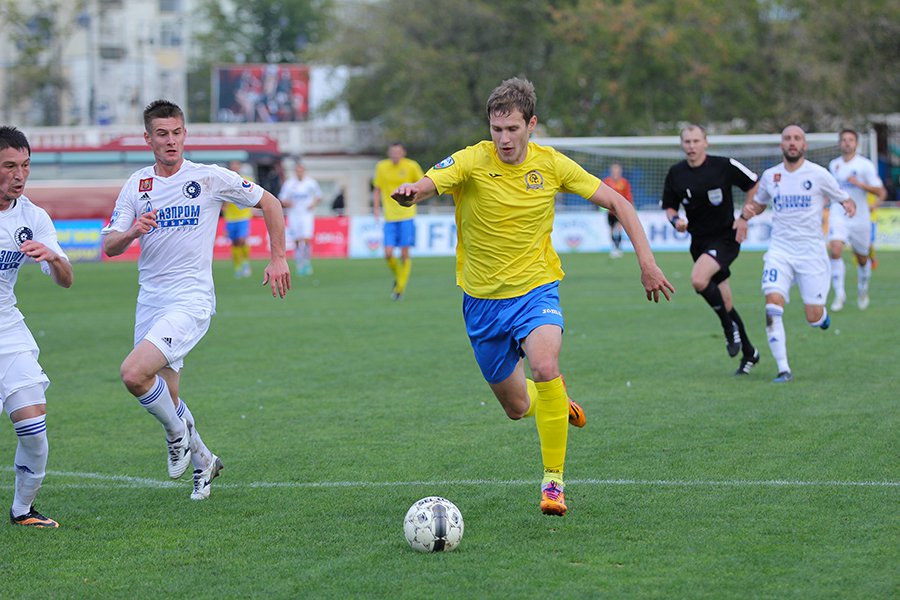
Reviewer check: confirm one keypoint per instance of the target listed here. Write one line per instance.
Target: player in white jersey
(173, 207)
(300, 195)
(797, 190)
(858, 177)
(26, 234)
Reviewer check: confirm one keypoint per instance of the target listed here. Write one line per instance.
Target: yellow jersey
(388, 177)
(504, 216)
(234, 213)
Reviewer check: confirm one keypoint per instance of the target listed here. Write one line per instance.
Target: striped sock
(30, 462)
(159, 403)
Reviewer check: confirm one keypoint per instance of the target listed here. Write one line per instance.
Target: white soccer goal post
(646, 160)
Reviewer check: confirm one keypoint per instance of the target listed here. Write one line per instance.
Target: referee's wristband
(743, 217)
(673, 220)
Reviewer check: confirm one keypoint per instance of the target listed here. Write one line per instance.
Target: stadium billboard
(260, 93)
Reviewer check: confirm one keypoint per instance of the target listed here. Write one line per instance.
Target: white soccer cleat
(203, 478)
(615, 253)
(863, 300)
(180, 453)
(838, 304)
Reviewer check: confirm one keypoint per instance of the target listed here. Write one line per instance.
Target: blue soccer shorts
(400, 234)
(237, 230)
(496, 328)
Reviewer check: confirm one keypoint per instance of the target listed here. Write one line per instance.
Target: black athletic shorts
(611, 218)
(723, 248)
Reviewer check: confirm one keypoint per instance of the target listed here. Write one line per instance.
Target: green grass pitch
(337, 408)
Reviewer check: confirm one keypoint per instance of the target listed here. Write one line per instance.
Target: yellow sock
(552, 418)
(532, 397)
(245, 252)
(236, 257)
(403, 275)
(393, 265)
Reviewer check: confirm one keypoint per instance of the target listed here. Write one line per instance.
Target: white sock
(158, 403)
(30, 462)
(775, 333)
(865, 273)
(837, 277)
(200, 454)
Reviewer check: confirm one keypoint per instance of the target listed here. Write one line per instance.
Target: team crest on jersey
(715, 196)
(447, 162)
(191, 189)
(145, 185)
(246, 185)
(534, 181)
(807, 184)
(23, 234)
(777, 177)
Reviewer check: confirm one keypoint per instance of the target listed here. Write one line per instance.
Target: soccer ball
(433, 524)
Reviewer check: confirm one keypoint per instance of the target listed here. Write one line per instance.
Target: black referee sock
(745, 340)
(713, 297)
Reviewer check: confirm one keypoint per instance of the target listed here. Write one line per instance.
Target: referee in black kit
(702, 184)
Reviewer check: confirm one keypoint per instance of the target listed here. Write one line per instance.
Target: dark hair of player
(10, 137)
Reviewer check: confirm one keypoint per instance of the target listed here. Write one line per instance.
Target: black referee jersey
(705, 193)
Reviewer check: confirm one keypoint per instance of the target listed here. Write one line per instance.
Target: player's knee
(26, 403)
(699, 283)
(544, 370)
(136, 381)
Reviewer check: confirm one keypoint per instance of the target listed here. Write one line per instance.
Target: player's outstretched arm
(413, 193)
(117, 242)
(60, 268)
(277, 274)
(652, 277)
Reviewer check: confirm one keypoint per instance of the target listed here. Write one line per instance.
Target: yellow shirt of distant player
(388, 177)
(504, 216)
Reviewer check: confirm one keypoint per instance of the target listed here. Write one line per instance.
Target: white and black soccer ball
(433, 524)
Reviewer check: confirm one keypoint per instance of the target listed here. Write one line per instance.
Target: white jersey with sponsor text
(301, 193)
(175, 266)
(20, 222)
(797, 200)
(862, 169)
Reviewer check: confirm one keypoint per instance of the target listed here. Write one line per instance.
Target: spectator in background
(621, 185)
(399, 221)
(300, 195)
(702, 184)
(338, 205)
(237, 226)
(858, 177)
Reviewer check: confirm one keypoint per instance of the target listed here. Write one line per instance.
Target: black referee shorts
(723, 248)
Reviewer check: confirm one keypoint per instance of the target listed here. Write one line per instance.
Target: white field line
(93, 480)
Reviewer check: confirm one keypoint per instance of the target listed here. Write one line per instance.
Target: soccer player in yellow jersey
(504, 191)
(237, 226)
(399, 223)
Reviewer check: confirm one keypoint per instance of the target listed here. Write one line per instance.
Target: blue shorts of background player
(497, 327)
(237, 230)
(400, 234)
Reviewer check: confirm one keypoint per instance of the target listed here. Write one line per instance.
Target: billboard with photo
(260, 93)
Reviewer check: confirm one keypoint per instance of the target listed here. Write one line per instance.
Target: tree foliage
(619, 67)
(424, 69)
(36, 78)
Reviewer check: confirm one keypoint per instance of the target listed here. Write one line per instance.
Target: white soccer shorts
(19, 367)
(301, 227)
(854, 232)
(812, 274)
(175, 331)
